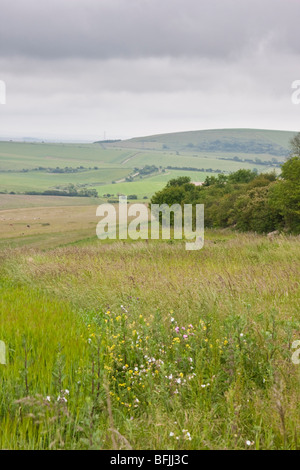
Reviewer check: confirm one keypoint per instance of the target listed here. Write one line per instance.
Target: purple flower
(177, 329)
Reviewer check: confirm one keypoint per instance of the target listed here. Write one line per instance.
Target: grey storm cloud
(134, 67)
(105, 29)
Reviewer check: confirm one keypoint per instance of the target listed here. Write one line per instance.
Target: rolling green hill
(247, 141)
(113, 167)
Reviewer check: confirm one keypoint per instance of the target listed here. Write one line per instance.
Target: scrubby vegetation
(244, 199)
(71, 191)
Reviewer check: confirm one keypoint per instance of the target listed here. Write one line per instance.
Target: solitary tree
(295, 145)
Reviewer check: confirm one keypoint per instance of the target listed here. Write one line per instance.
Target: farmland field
(140, 344)
(26, 167)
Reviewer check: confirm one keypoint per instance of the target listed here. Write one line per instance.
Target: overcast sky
(85, 69)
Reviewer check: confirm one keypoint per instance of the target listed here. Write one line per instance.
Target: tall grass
(147, 346)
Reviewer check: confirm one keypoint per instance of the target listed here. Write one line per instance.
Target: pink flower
(177, 329)
(182, 328)
(185, 336)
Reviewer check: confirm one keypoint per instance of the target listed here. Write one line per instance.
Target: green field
(105, 163)
(226, 140)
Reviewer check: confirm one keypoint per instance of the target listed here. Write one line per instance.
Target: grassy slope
(179, 140)
(118, 160)
(62, 321)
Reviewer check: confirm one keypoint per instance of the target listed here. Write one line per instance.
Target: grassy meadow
(141, 345)
(147, 346)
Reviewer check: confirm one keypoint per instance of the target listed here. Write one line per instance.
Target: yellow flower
(225, 342)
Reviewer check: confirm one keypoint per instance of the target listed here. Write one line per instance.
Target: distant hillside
(241, 141)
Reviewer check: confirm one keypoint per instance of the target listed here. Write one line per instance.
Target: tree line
(244, 200)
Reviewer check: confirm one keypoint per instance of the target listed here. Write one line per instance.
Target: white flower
(241, 335)
(172, 319)
(67, 391)
(171, 434)
(62, 399)
(48, 398)
(249, 443)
